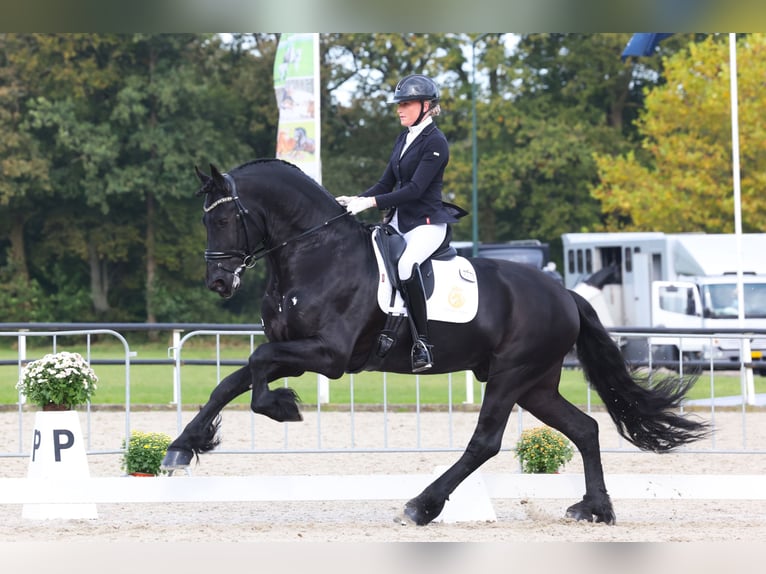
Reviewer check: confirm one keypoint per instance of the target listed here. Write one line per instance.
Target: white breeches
(421, 243)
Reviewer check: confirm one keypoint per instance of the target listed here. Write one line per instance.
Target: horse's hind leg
(552, 409)
(484, 444)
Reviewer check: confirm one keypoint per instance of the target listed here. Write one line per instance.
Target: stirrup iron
(420, 356)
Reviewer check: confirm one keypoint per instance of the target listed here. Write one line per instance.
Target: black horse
(320, 315)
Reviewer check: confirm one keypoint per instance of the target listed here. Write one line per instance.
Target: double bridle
(249, 256)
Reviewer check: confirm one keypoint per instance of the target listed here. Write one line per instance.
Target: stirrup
(421, 356)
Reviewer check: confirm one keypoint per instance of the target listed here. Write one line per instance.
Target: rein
(250, 257)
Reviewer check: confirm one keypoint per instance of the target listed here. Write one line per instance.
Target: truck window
(721, 300)
(755, 300)
(677, 300)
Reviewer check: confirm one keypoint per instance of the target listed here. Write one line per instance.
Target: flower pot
(54, 407)
(142, 474)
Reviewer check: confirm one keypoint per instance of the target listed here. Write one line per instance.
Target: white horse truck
(675, 281)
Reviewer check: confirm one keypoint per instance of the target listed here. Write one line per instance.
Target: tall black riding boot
(414, 297)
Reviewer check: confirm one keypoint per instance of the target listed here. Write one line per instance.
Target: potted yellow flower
(542, 450)
(58, 381)
(144, 453)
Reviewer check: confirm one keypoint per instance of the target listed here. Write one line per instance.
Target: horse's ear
(201, 176)
(214, 171)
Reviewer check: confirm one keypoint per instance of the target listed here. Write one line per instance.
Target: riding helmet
(416, 87)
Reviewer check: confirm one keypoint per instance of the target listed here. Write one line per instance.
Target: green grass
(153, 384)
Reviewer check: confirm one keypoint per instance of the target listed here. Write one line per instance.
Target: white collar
(415, 131)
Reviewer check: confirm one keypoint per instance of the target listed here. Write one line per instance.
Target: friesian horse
(320, 314)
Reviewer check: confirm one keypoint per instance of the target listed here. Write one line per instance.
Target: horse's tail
(641, 405)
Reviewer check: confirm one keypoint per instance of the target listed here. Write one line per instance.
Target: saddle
(453, 298)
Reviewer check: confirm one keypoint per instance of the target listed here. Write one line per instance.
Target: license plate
(757, 354)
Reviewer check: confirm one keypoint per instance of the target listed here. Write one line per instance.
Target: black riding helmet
(416, 87)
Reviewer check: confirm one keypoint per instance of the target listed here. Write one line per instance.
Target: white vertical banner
(296, 84)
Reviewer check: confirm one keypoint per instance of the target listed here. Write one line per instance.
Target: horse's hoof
(578, 513)
(281, 405)
(176, 459)
(608, 518)
(413, 515)
(582, 511)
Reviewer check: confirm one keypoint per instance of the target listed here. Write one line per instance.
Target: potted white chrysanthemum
(58, 381)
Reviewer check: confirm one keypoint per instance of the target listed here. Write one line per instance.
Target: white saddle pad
(455, 298)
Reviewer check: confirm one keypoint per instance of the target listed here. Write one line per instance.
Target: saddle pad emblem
(456, 298)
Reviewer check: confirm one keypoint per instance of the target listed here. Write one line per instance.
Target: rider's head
(418, 88)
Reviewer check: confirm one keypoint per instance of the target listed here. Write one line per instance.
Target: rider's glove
(344, 200)
(360, 204)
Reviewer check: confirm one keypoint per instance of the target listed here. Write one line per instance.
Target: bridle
(250, 256)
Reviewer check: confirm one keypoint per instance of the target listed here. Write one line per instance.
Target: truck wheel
(665, 356)
(636, 351)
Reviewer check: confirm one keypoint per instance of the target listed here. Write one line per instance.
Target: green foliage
(63, 378)
(145, 452)
(681, 178)
(99, 134)
(21, 299)
(542, 450)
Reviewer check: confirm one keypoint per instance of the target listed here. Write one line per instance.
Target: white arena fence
(368, 428)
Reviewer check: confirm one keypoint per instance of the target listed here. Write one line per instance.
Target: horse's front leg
(484, 444)
(280, 359)
(267, 363)
(280, 404)
(200, 435)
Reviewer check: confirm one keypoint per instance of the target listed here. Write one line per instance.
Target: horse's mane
(209, 186)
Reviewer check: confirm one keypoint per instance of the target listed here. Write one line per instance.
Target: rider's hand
(358, 204)
(344, 200)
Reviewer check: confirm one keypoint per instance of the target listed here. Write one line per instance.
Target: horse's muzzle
(224, 284)
(220, 287)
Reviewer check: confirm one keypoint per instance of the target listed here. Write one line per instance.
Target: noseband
(250, 257)
(247, 256)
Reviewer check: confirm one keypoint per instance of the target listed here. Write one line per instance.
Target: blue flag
(643, 44)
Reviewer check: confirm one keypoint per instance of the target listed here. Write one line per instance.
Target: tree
(24, 168)
(357, 136)
(560, 98)
(681, 178)
(128, 116)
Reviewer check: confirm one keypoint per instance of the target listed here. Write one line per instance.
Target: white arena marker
(58, 452)
(469, 502)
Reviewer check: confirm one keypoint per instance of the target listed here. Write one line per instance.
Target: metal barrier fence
(358, 434)
(54, 336)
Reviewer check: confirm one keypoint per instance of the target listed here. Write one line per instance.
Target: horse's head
(279, 206)
(228, 251)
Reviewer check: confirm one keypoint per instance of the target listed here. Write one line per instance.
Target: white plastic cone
(58, 453)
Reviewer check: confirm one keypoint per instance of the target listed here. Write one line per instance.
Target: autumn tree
(681, 177)
(561, 98)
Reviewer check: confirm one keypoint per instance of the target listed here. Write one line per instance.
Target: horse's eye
(222, 222)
